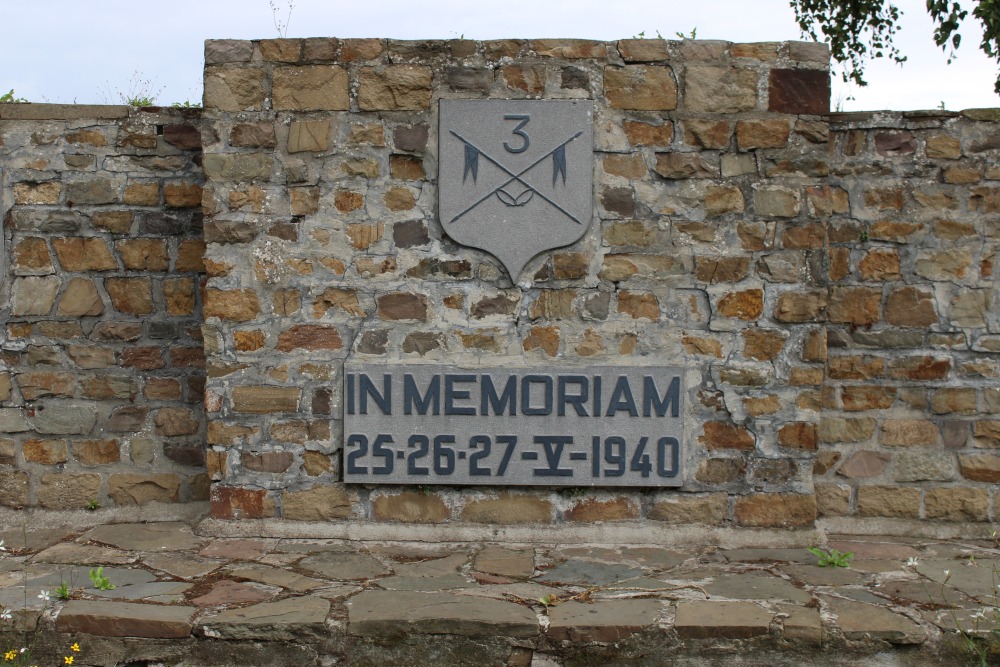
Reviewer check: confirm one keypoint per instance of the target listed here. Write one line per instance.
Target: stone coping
(184, 598)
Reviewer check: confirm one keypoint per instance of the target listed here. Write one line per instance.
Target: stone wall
(323, 243)
(102, 371)
(909, 427)
(825, 280)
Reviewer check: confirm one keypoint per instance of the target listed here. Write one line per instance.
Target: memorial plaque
(597, 426)
(515, 177)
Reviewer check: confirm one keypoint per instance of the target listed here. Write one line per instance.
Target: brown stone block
(134, 489)
(402, 306)
(91, 356)
(309, 135)
(142, 194)
(84, 254)
(309, 337)
(37, 193)
(399, 199)
(281, 50)
(720, 200)
(97, 452)
(410, 507)
(31, 257)
(143, 254)
(799, 307)
(162, 389)
(832, 500)
(347, 201)
(776, 202)
(80, 299)
(234, 503)
(144, 358)
(702, 346)
(640, 87)
(14, 489)
(954, 400)
(369, 135)
(179, 295)
(626, 165)
(798, 435)
(880, 264)
(270, 462)
(911, 307)
(406, 168)
(265, 399)
(712, 89)
(638, 305)
(683, 166)
(859, 306)
(591, 510)
(647, 134)
(45, 452)
(234, 88)
(570, 265)
(724, 435)
(804, 237)
(189, 256)
(116, 222)
(703, 133)
(867, 398)
(799, 91)
(943, 146)
(777, 510)
(394, 87)
(957, 504)
(763, 344)
(182, 195)
(311, 88)
(843, 429)
(253, 135)
(543, 338)
(890, 501)
(630, 233)
(756, 134)
(508, 509)
(132, 296)
(980, 467)
(354, 50)
(65, 491)
(237, 305)
(176, 421)
(642, 50)
(320, 503)
(568, 48)
(707, 509)
(908, 433)
(744, 305)
(920, 368)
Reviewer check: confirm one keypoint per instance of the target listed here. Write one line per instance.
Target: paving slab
(71, 553)
(976, 579)
(343, 565)
(516, 591)
(654, 558)
(34, 539)
(769, 555)
(284, 620)
(155, 537)
(875, 550)
(858, 620)
(187, 566)
(125, 619)
(159, 591)
(442, 582)
(78, 578)
(237, 549)
(576, 572)
(815, 575)
(756, 586)
(923, 592)
(698, 619)
(801, 624)
(275, 576)
(602, 621)
(396, 613)
(226, 592)
(431, 567)
(513, 563)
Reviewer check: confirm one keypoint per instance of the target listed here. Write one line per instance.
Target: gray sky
(90, 52)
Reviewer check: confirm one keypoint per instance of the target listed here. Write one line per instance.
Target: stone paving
(184, 599)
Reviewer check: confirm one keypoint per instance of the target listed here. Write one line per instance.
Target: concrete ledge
(32, 111)
(691, 535)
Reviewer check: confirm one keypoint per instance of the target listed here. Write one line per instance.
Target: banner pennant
(559, 164)
(471, 162)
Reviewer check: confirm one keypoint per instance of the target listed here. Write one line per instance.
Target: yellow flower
(9, 655)
(68, 660)
(75, 648)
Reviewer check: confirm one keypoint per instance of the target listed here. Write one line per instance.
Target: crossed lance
(559, 167)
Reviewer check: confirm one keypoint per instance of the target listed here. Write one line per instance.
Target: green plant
(62, 591)
(139, 92)
(93, 504)
(642, 35)
(100, 582)
(863, 236)
(186, 104)
(832, 557)
(8, 98)
(691, 35)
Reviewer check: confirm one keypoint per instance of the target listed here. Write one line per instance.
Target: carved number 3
(524, 118)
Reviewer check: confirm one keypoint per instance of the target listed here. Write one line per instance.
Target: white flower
(911, 561)
(947, 573)
(5, 615)
(2, 547)
(44, 596)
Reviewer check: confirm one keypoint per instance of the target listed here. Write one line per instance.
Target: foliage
(139, 92)
(279, 25)
(93, 504)
(8, 98)
(832, 557)
(862, 29)
(62, 591)
(100, 582)
(186, 104)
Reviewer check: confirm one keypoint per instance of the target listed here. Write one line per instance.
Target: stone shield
(515, 177)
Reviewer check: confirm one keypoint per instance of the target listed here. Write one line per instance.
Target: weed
(832, 557)
(93, 504)
(691, 35)
(139, 92)
(186, 104)
(62, 591)
(8, 98)
(100, 582)
(279, 25)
